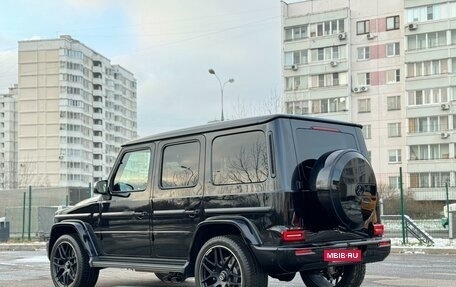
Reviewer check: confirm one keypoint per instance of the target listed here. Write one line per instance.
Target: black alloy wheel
(339, 276)
(225, 261)
(70, 264)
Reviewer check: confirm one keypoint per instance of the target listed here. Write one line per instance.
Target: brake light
(379, 229)
(291, 235)
(326, 129)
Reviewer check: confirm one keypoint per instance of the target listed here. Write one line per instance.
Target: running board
(139, 264)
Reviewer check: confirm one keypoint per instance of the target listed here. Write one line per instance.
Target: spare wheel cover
(346, 187)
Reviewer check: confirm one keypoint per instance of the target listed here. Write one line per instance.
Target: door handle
(141, 214)
(192, 213)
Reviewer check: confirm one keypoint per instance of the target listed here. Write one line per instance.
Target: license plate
(342, 255)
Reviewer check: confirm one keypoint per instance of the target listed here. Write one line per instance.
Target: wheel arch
(82, 230)
(221, 225)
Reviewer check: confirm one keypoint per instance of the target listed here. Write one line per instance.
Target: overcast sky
(169, 45)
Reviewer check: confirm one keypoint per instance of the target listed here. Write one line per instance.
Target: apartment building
(74, 110)
(385, 65)
(8, 139)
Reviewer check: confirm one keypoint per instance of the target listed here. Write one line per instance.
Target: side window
(240, 158)
(180, 165)
(133, 171)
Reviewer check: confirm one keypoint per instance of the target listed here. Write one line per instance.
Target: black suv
(230, 203)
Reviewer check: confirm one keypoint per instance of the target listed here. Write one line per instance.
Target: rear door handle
(141, 214)
(192, 213)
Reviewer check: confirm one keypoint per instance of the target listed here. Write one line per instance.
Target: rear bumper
(287, 259)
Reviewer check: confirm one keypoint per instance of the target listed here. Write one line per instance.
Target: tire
(70, 264)
(226, 261)
(171, 277)
(341, 276)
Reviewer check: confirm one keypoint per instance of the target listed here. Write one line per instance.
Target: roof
(217, 126)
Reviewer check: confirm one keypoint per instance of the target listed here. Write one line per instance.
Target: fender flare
(81, 229)
(245, 227)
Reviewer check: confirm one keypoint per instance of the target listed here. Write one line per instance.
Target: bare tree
(271, 104)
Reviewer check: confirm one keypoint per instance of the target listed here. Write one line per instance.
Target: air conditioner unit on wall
(370, 36)
(333, 63)
(444, 135)
(294, 67)
(412, 26)
(445, 107)
(360, 89)
(342, 36)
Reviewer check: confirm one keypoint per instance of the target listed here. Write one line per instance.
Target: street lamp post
(222, 86)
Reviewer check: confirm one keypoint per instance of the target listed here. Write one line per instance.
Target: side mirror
(101, 187)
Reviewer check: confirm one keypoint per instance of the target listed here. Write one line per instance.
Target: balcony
(98, 104)
(98, 92)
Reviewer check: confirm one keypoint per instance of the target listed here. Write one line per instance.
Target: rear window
(311, 144)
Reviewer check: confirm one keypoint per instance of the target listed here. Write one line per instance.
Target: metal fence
(30, 211)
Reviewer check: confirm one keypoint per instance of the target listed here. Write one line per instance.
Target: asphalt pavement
(31, 268)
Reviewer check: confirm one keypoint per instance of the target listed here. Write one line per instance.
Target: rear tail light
(379, 229)
(292, 235)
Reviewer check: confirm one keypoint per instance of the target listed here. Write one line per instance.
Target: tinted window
(311, 144)
(133, 171)
(240, 158)
(180, 166)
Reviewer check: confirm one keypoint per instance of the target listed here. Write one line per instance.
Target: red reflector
(379, 229)
(384, 244)
(305, 251)
(293, 235)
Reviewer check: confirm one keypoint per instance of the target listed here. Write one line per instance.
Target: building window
(428, 124)
(296, 33)
(394, 130)
(426, 40)
(429, 179)
(364, 106)
(393, 103)
(393, 76)
(392, 23)
(296, 58)
(364, 79)
(328, 80)
(331, 105)
(394, 182)
(392, 49)
(430, 12)
(362, 27)
(295, 83)
(298, 107)
(394, 156)
(428, 96)
(327, 53)
(363, 53)
(327, 28)
(367, 131)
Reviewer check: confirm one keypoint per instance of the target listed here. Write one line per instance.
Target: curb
(22, 246)
(423, 250)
